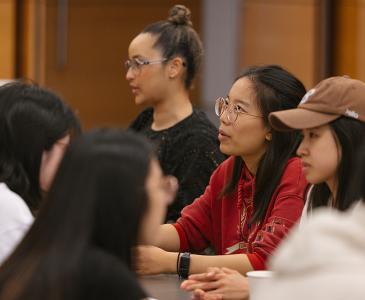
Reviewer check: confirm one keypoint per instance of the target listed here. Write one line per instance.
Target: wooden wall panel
(280, 32)
(7, 39)
(98, 35)
(345, 26)
(350, 38)
(361, 41)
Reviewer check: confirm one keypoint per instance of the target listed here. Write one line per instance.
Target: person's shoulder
(224, 169)
(201, 120)
(293, 172)
(294, 164)
(328, 220)
(12, 207)
(142, 120)
(228, 163)
(198, 130)
(6, 193)
(321, 218)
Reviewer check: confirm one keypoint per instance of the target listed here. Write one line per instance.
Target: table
(164, 287)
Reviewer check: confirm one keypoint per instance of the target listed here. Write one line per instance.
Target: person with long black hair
(35, 128)
(329, 243)
(332, 119)
(331, 246)
(253, 198)
(108, 195)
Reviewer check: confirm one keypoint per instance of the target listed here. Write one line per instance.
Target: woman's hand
(217, 283)
(153, 260)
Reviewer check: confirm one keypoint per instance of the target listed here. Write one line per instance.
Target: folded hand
(217, 283)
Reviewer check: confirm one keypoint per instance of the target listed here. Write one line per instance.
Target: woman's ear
(268, 136)
(175, 67)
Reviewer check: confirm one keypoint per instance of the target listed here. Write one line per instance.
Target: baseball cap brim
(299, 118)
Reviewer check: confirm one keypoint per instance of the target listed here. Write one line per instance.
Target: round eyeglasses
(233, 110)
(136, 64)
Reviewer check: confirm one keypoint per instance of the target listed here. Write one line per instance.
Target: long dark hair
(177, 37)
(32, 119)
(275, 89)
(97, 200)
(349, 135)
(356, 189)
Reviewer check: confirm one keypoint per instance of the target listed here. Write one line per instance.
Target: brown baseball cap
(327, 101)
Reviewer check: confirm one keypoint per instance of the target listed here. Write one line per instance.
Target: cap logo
(307, 95)
(351, 114)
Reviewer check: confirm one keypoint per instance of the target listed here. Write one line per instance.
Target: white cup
(256, 279)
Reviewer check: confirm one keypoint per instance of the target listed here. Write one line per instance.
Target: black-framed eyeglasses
(233, 110)
(136, 64)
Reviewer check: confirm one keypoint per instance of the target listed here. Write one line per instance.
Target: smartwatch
(184, 265)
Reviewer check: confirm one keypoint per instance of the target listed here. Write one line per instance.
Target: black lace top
(188, 150)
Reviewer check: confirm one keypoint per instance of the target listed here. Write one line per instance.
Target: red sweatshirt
(222, 222)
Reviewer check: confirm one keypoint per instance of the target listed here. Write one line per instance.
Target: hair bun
(180, 15)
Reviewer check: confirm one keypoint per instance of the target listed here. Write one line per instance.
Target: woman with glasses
(79, 247)
(163, 62)
(253, 198)
(331, 117)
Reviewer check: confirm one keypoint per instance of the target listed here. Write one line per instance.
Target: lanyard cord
(242, 209)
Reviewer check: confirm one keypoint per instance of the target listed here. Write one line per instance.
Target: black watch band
(184, 265)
